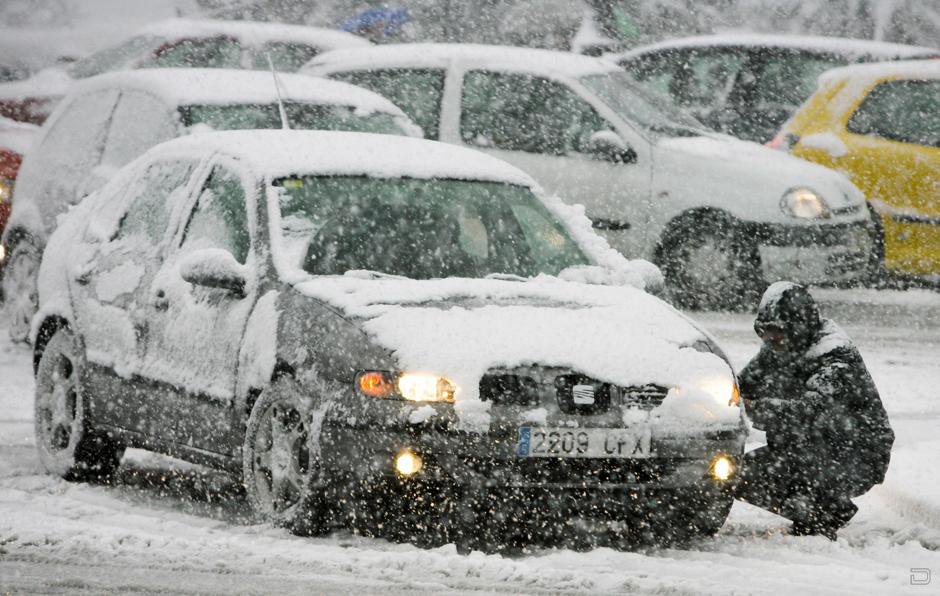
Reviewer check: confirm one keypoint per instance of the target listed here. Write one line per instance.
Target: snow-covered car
(337, 314)
(176, 43)
(747, 85)
(108, 120)
(721, 216)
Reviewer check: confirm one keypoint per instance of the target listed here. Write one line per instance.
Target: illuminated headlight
(405, 386)
(724, 390)
(3, 253)
(722, 468)
(804, 203)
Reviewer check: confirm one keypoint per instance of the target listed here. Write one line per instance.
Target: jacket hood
(790, 308)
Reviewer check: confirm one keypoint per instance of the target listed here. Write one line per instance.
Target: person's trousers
(808, 492)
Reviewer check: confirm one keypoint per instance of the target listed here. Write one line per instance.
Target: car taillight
(783, 141)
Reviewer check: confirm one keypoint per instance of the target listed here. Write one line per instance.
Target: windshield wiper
(506, 277)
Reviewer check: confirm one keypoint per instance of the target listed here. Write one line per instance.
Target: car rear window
(300, 116)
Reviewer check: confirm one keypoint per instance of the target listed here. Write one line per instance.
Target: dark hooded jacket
(815, 399)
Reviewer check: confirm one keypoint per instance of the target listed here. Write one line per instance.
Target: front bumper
(813, 254)
(489, 462)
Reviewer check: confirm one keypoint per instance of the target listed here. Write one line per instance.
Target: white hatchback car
(107, 121)
(721, 216)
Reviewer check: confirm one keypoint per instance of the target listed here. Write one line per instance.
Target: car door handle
(160, 301)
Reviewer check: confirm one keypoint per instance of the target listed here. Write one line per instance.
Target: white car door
(109, 290)
(195, 332)
(544, 126)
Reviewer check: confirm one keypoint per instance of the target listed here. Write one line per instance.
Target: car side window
(140, 122)
(214, 52)
(904, 111)
(151, 200)
(418, 92)
(525, 113)
(287, 56)
(219, 219)
(789, 77)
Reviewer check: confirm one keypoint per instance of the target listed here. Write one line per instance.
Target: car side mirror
(606, 145)
(214, 268)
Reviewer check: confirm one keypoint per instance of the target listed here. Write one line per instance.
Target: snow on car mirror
(608, 146)
(214, 268)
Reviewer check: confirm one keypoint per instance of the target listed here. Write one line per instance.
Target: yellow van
(880, 124)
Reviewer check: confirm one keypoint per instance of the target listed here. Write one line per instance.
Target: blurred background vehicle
(108, 120)
(15, 138)
(176, 43)
(880, 124)
(748, 85)
(721, 216)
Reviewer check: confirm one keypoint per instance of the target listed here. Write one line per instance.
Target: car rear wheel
(67, 445)
(708, 266)
(20, 295)
(281, 460)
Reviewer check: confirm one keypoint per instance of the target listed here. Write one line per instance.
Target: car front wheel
(708, 266)
(281, 460)
(20, 295)
(67, 445)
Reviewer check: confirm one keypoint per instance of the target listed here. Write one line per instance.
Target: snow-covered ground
(168, 526)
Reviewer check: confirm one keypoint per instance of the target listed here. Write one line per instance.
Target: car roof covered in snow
(253, 32)
(216, 86)
(442, 54)
(869, 73)
(276, 153)
(852, 49)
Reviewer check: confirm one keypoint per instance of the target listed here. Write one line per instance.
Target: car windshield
(657, 116)
(300, 116)
(421, 229)
(113, 58)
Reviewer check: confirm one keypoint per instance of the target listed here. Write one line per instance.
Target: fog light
(408, 463)
(722, 468)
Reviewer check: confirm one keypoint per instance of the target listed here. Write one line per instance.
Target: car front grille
(574, 393)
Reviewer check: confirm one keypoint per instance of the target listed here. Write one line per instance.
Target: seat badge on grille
(583, 395)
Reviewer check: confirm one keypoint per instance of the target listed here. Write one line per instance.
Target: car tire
(280, 460)
(67, 444)
(709, 266)
(877, 274)
(20, 293)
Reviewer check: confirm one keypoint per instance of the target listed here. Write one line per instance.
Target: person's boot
(803, 528)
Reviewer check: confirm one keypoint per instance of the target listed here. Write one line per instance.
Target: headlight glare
(723, 390)
(405, 386)
(804, 203)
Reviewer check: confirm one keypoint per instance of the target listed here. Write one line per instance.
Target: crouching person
(828, 436)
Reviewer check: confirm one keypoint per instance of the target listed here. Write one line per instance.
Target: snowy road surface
(168, 526)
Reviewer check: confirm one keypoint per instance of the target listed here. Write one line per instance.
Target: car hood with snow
(465, 329)
(686, 166)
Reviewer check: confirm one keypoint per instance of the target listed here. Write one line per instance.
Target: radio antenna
(277, 89)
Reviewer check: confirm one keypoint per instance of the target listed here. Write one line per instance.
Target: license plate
(587, 442)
